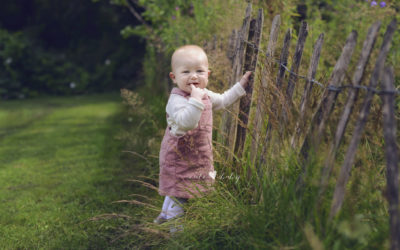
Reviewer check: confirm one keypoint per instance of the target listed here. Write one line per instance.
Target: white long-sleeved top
(184, 114)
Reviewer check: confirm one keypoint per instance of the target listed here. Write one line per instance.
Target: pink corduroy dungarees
(186, 161)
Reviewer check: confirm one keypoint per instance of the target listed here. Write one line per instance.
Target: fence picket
(328, 100)
(392, 157)
(232, 46)
(265, 75)
(351, 151)
(284, 58)
(281, 73)
(352, 96)
(288, 105)
(325, 107)
(249, 65)
(273, 36)
(229, 120)
(307, 88)
(298, 53)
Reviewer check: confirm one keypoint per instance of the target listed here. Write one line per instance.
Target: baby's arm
(184, 114)
(231, 95)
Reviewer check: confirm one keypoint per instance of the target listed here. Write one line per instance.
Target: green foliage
(179, 22)
(65, 48)
(338, 18)
(148, 117)
(173, 23)
(28, 71)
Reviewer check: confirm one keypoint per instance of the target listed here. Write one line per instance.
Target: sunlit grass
(60, 165)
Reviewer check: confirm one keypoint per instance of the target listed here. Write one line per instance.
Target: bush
(29, 71)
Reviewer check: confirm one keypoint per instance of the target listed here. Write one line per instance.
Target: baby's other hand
(197, 93)
(245, 79)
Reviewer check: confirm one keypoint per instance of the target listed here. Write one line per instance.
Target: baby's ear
(209, 72)
(172, 76)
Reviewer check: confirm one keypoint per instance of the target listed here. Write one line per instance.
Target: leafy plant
(29, 71)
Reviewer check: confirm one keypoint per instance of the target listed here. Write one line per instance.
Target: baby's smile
(190, 69)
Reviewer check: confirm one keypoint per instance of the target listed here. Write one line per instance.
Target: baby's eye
(186, 71)
(200, 71)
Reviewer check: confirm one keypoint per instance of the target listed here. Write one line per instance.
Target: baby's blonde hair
(187, 49)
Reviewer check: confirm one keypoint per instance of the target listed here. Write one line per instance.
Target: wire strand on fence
(329, 87)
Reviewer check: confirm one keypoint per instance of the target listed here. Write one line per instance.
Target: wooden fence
(255, 111)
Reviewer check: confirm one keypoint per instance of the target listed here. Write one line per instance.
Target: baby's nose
(193, 75)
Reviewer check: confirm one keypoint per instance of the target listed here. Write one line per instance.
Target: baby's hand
(245, 79)
(197, 93)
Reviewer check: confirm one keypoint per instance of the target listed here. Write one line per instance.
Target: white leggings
(172, 207)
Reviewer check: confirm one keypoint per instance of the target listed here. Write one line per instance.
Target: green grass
(60, 166)
(265, 212)
(282, 219)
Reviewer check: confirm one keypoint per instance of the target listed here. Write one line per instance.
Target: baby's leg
(175, 211)
(165, 206)
(171, 208)
(162, 217)
(175, 207)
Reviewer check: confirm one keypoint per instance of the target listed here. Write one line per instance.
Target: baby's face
(190, 66)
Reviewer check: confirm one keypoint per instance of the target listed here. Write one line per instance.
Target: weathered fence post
(282, 69)
(265, 76)
(298, 53)
(312, 70)
(352, 96)
(392, 156)
(250, 65)
(351, 151)
(232, 46)
(325, 107)
(284, 58)
(214, 42)
(229, 120)
(328, 100)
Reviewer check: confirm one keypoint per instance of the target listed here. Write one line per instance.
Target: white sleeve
(226, 99)
(183, 114)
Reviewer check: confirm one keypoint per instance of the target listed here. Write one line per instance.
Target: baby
(186, 160)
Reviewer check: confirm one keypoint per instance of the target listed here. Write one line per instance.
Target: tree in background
(67, 47)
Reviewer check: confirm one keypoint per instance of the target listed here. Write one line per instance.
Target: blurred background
(66, 47)
(91, 46)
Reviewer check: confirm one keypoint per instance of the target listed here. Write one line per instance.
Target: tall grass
(269, 210)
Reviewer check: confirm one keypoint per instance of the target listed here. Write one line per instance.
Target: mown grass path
(60, 165)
